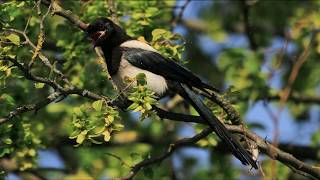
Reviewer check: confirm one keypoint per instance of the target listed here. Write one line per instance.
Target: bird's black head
(100, 30)
(104, 32)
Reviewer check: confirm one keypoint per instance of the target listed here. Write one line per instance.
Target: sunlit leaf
(107, 136)
(97, 105)
(7, 141)
(81, 137)
(39, 85)
(15, 39)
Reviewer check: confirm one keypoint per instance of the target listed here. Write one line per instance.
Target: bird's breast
(127, 71)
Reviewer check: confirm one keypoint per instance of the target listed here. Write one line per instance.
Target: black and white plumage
(127, 57)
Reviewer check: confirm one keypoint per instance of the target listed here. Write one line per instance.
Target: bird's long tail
(236, 149)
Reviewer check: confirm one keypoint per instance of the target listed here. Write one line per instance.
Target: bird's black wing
(156, 63)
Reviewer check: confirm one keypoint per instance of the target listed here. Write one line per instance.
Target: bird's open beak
(101, 34)
(95, 37)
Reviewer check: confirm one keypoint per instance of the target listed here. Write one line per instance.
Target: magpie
(126, 57)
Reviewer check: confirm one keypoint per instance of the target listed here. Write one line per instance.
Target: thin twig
(112, 8)
(58, 10)
(118, 158)
(293, 97)
(287, 91)
(41, 36)
(178, 18)
(31, 77)
(44, 59)
(27, 24)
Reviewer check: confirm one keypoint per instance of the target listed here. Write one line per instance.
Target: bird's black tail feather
(236, 149)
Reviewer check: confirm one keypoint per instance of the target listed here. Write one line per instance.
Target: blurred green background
(248, 49)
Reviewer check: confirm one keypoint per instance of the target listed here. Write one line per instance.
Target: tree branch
(277, 154)
(41, 35)
(264, 146)
(44, 59)
(177, 18)
(299, 151)
(31, 107)
(294, 98)
(113, 11)
(31, 77)
(172, 147)
(267, 148)
(58, 10)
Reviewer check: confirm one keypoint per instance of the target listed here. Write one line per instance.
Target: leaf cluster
(91, 121)
(142, 98)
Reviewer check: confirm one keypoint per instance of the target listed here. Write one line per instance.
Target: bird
(126, 57)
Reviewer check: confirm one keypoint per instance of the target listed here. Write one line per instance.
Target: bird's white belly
(126, 70)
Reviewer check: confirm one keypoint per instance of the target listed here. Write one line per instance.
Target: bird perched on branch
(127, 57)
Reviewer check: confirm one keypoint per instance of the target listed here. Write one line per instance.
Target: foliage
(142, 98)
(92, 121)
(109, 141)
(169, 44)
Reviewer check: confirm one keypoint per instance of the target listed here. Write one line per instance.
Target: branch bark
(172, 147)
(58, 10)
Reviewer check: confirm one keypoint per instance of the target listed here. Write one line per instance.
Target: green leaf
(97, 105)
(12, 56)
(74, 134)
(141, 79)
(212, 141)
(107, 135)
(137, 15)
(144, 22)
(10, 100)
(148, 106)
(20, 4)
(193, 111)
(135, 157)
(150, 11)
(4, 151)
(15, 39)
(81, 137)
(7, 141)
(77, 111)
(315, 139)
(95, 141)
(109, 120)
(139, 108)
(32, 152)
(4, 68)
(77, 125)
(117, 127)
(158, 32)
(39, 85)
(98, 130)
(133, 106)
